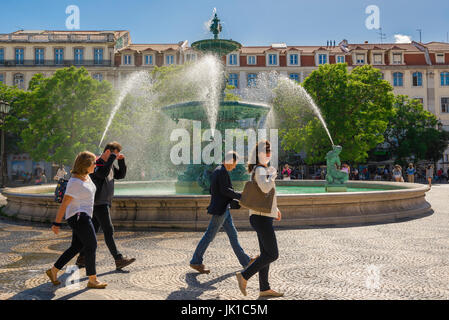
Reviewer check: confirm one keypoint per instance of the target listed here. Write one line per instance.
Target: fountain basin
(387, 202)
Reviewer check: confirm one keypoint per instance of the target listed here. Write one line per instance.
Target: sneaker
(80, 262)
(123, 262)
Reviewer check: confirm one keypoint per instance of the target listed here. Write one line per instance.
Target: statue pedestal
(336, 188)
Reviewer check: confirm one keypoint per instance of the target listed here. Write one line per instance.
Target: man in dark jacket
(222, 198)
(103, 177)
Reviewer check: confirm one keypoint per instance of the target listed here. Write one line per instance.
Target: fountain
(182, 203)
(221, 115)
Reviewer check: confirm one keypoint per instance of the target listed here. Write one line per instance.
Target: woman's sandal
(240, 281)
(55, 281)
(271, 293)
(98, 285)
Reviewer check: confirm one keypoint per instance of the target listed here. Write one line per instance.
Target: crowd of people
(412, 174)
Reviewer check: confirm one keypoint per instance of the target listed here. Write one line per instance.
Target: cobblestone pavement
(405, 260)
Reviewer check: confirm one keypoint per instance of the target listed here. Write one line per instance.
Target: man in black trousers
(104, 175)
(222, 198)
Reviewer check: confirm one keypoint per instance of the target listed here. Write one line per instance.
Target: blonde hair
(82, 162)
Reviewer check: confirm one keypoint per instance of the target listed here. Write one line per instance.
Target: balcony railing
(95, 38)
(52, 63)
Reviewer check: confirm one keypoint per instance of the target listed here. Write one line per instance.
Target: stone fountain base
(193, 187)
(399, 201)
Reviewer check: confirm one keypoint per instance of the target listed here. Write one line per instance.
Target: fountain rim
(403, 187)
(254, 105)
(196, 45)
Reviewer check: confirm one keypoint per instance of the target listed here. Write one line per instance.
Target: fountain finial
(215, 26)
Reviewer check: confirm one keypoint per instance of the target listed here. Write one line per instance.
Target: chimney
(366, 41)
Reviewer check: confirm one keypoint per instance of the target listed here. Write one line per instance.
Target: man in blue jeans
(222, 196)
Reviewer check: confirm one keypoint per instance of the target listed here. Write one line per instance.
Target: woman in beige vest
(262, 222)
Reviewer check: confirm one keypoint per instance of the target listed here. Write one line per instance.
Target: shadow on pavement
(195, 288)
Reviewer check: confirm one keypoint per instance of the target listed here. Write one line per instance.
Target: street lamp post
(4, 110)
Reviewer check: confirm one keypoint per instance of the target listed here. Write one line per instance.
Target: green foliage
(413, 131)
(13, 125)
(355, 105)
(62, 115)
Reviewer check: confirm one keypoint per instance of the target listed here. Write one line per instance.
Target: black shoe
(123, 262)
(80, 262)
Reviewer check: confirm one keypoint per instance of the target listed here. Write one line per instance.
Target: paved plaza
(405, 260)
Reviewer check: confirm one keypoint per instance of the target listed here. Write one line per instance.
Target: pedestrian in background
(411, 173)
(429, 174)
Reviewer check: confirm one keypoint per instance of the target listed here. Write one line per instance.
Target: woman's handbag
(255, 199)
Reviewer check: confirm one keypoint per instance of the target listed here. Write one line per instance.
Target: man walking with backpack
(104, 175)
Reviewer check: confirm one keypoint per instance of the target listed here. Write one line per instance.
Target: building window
(377, 58)
(98, 76)
(2, 78)
(252, 79)
(2, 56)
(398, 79)
(340, 59)
(444, 76)
(127, 58)
(19, 80)
(59, 56)
(293, 59)
(397, 58)
(360, 58)
(440, 57)
(190, 57)
(79, 55)
(233, 80)
(417, 79)
(272, 59)
(19, 56)
(169, 59)
(294, 77)
(445, 105)
(322, 58)
(233, 59)
(98, 56)
(251, 60)
(39, 56)
(149, 59)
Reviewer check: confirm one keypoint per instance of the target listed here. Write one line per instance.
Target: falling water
(267, 85)
(205, 78)
(130, 83)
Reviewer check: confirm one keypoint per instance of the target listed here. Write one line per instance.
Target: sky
(251, 22)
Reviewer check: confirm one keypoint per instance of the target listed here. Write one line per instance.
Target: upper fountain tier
(220, 47)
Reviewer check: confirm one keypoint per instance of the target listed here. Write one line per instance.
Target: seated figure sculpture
(335, 177)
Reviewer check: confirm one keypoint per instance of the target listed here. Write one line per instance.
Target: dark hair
(114, 145)
(259, 146)
(229, 154)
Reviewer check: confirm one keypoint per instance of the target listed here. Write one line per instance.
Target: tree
(12, 125)
(355, 105)
(414, 132)
(63, 115)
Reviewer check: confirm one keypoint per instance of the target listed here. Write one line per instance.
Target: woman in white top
(262, 222)
(429, 174)
(60, 174)
(77, 206)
